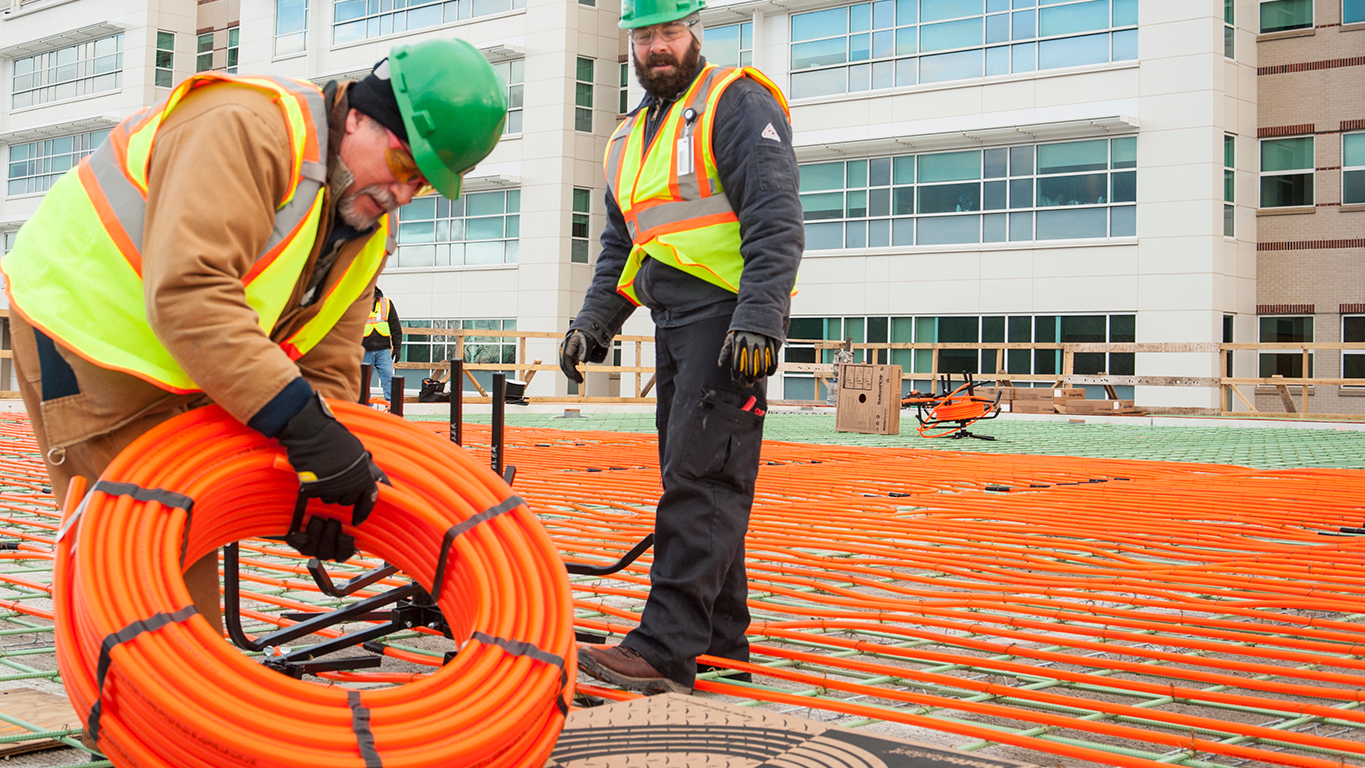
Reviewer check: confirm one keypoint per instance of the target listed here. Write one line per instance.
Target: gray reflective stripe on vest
(691, 204)
(130, 208)
(669, 213)
(124, 199)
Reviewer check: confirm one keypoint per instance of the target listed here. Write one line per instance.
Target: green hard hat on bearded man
(646, 13)
(454, 105)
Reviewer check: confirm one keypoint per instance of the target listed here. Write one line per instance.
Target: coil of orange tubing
(176, 693)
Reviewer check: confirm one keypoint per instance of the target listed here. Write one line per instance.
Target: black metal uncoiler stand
(412, 606)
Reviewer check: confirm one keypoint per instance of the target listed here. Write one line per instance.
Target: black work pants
(708, 455)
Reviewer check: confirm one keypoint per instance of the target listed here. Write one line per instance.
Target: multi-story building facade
(972, 170)
(1311, 223)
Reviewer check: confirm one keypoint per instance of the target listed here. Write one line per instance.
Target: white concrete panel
(1173, 255)
(1182, 74)
(1085, 294)
(1180, 183)
(1190, 291)
(1096, 261)
(1180, 219)
(1008, 295)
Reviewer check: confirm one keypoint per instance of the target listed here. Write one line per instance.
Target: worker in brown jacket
(222, 247)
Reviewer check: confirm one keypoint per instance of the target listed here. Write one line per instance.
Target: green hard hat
(454, 105)
(646, 13)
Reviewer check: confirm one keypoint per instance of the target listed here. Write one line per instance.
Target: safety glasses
(665, 32)
(398, 155)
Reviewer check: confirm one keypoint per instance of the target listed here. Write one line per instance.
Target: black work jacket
(760, 177)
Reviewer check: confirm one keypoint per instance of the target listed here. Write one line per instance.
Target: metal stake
(456, 401)
(495, 452)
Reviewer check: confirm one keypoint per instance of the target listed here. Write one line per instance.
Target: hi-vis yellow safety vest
(670, 192)
(76, 269)
(379, 318)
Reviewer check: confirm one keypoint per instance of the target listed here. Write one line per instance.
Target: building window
(479, 228)
(884, 44)
(1287, 172)
(730, 46)
(291, 26)
(582, 113)
(1280, 15)
(1076, 189)
(513, 73)
(971, 329)
(625, 88)
(1352, 11)
(69, 72)
(10, 237)
(1353, 167)
(1286, 330)
(477, 349)
(1229, 29)
(589, 3)
(582, 206)
(203, 60)
(1352, 331)
(1229, 185)
(361, 19)
(34, 166)
(233, 47)
(165, 59)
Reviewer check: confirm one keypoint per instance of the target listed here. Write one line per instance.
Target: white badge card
(684, 155)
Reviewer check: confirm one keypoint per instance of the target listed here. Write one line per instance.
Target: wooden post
(1284, 395)
(1306, 375)
(639, 355)
(521, 355)
(648, 386)
(1243, 398)
(470, 375)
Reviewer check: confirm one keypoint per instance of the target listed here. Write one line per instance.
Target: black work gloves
(322, 538)
(331, 463)
(576, 348)
(751, 357)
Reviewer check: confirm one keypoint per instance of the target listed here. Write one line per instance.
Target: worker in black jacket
(679, 244)
(383, 340)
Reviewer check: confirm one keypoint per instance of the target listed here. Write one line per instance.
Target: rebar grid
(1080, 611)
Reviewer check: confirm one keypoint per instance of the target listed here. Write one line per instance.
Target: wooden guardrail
(642, 375)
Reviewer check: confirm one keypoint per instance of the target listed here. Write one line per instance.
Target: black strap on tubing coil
(158, 686)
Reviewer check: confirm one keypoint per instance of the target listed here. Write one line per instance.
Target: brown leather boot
(623, 667)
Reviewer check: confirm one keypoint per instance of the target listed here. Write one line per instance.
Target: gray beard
(347, 210)
(338, 179)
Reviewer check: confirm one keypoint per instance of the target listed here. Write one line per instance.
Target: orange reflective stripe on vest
(76, 268)
(379, 318)
(670, 192)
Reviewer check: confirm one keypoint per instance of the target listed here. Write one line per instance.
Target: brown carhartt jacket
(219, 169)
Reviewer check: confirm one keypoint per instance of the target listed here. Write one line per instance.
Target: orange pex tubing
(176, 693)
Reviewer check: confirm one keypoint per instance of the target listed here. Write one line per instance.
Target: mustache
(656, 59)
(382, 196)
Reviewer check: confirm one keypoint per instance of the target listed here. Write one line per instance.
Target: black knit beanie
(374, 97)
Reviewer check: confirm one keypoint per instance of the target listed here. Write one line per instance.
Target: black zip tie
(164, 497)
(507, 505)
(523, 648)
(360, 724)
(129, 632)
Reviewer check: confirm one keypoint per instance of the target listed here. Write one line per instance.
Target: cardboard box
(1006, 393)
(869, 399)
(1097, 407)
(1038, 393)
(1033, 406)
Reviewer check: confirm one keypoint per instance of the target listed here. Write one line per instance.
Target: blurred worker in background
(703, 227)
(222, 247)
(383, 340)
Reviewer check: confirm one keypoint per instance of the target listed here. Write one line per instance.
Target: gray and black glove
(577, 347)
(333, 466)
(751, 357)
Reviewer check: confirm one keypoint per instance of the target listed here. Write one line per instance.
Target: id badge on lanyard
(684, 149)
